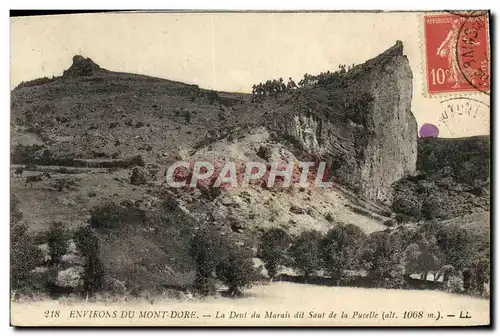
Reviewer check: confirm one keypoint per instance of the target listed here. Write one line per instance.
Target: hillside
(79, 140)
(453, 179)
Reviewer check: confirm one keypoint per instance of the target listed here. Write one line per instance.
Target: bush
(340, 249)
(24, 256)
(24, 154)
(113, 216)
(272, 249)
(481, 269)
(305, 252)
(64, 184)
(106, 216)
(212, 96)
(187, 116)
(138, 176)
(57, 241)
(424, 256)
(457, 245)
(384, 260)
(206, 250)
(407, 204)
(88, 245)
(236, 271)
(429, 208)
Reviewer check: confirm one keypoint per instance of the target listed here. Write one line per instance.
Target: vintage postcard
(250, 169)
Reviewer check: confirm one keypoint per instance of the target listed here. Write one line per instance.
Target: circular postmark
(472, 50)
(468, 14)
(463, 116)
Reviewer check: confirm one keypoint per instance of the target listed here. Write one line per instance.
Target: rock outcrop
(82, 67)
(362, 124)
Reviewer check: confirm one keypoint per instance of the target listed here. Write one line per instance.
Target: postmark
(459, 115)
(457, 53)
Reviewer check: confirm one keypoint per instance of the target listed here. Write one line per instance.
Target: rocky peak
(82, 67)
(362, 126)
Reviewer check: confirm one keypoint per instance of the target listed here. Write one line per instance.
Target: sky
(233, 51)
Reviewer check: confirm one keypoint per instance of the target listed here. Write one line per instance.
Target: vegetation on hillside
(274, 87)
(386, 258)
(129, 248)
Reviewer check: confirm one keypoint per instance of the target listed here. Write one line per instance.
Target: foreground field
(275, 304)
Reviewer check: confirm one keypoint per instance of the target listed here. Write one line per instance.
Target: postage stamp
(457, 53)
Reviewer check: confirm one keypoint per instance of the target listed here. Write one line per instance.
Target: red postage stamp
(457, 52)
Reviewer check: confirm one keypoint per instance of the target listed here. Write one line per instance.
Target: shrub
(264, 153)
(24, 154)
(236, 271)
(384, 260)
(62, 184)
(305, 252)
(340, 249)
(212, 96)
(86, 241)
(458, 246)
(423, 257)
(481, 269)
(272, 249)
(24, 256)
(106, 216)
(138, 176)
(429, 208)
(407, 204)
(88, 245)
(206, 250)
(57, 241)
(187, 116)
(113, 216)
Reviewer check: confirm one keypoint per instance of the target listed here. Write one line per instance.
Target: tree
(305, 252)
(236, 271)
(458, 246)
(384, 259)
(88, 244)
(423, 257)
(340, 249)
(272, 249)
(206, 250)
(107, 216)
(481, 274)
(24, 255)
(58, 244)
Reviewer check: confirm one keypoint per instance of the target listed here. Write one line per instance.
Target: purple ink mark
(429, 131)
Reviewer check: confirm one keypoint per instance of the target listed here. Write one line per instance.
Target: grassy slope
(89, 118)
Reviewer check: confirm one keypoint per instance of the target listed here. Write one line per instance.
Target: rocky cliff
(361, 124)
